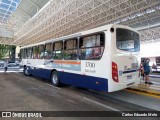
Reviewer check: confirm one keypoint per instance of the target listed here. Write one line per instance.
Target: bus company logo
(21, 114)
(6, 114)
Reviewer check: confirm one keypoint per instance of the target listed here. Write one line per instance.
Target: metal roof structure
(13, 14)
(31, 24)
(7, 7)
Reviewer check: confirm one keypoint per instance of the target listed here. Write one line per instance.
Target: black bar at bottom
(80, 114)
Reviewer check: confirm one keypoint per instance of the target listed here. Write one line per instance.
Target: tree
(7, 51)
(3, 51)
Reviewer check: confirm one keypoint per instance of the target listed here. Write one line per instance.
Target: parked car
(1, 63)
(12, 64)
(155, 70)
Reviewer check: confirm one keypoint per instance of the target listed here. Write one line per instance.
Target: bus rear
(125, 48)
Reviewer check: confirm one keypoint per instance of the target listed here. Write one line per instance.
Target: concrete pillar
(17, 51)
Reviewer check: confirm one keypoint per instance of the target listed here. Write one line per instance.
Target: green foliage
(6, 50)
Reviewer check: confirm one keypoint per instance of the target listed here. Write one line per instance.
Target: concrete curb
(144, 91)
(154, 76)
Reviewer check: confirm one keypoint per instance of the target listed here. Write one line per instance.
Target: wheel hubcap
(55, 79)
(26, 71)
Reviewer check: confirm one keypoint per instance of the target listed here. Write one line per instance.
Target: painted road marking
(148, 86)
(100, 104)
(69, 100)
(150, 91)
(143, 93)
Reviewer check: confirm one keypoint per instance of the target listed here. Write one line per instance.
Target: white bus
(103, 59)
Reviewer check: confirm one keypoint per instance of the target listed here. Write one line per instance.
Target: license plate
(129, 77)
(130, 84)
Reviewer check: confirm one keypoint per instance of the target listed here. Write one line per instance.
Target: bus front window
(127, 40)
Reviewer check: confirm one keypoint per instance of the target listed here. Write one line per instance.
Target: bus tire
(25, 71)
(55, 79)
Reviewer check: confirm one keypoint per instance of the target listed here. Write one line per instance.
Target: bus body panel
(90, 78)
(128, 65)
(127, 78)
(89, 82)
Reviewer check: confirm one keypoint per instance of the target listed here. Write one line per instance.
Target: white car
(156, 70)
(1, 63)
(12, 64)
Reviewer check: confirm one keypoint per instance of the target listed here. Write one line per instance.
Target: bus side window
(40, 52)
(29, 56)
(21, 52)
(48, 51)
(25, 55)
(91, 47)
(35, 49)
(57, 50)
(70, 49)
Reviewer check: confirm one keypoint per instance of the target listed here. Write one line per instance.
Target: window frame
(39, 57)
(29, 57)
(76, 48)
(102, 36)
(22, 53)
(25, 52)
(129, 49)
(34, 53)
(53, 46)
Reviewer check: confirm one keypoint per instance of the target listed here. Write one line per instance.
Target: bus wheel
(55, 79)
(26, 71)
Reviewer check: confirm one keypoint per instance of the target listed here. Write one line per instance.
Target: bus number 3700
(90, 64)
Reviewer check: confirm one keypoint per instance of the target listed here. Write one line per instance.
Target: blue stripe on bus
(88, 82)
(43, 73)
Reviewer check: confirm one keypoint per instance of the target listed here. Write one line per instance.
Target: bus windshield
(127, 40)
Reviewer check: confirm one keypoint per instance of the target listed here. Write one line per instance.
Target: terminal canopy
(24, 22)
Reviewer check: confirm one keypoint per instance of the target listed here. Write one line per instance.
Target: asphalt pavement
(23, 93)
